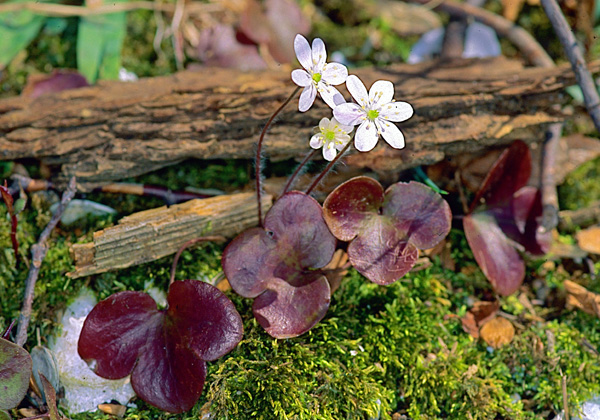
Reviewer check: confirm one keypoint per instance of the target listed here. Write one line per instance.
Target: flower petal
(366, 136)
(334, 73)
(316, 141)
(343, 140)
(301, 78)
(381, 93)
(324, 124)
(349, 114)
(329, 151)
(331, 96)
(319, 55)
(391, 134)
(357, 89)
(302, 49)
(307, 98)
(396, 111)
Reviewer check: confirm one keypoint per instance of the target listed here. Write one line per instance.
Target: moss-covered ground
(379, 351)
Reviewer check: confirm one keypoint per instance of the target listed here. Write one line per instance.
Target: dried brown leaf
(470, 325)
(581, 298)
(497, 332)
(589, 239)
(114, 409)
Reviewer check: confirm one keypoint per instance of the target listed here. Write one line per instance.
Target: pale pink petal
(366, 136)
(316, 141)
(307, 98)
(324, 124)
(330, 95)
(329, 152)
(357, 90)
(301, 78)
(344, 139)
(396, 111)
(302, 49)
(334, 73)
(319, 55)
(335, 124)
(381, 93)
(349, 114)
(391, 134)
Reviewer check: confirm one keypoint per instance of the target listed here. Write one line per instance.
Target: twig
(569, 219)
(189, 243)
(575, 56)
(63, 10)
(563, 383)
(532, 50)
(547, 179)
(38, 252)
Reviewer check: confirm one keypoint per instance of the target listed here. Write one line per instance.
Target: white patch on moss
(84, 390)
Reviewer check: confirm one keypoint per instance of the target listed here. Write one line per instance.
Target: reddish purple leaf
(509, 215)
(508, 174)
(276, 265)
(58, 81)
(497, 257)
(15, 371)
(164, 350)
(386, 230)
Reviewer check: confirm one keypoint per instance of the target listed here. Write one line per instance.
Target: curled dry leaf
(117, 410)
(478, 315)
(579, 297)
(497, 332)
(589, 239)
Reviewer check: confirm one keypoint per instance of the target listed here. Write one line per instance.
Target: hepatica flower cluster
(283, 263)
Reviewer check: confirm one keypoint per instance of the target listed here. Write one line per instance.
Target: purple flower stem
(216, 238)
(257, 163)
(292, 178)
(328, 168)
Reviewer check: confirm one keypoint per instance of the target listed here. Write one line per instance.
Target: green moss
(581, 187)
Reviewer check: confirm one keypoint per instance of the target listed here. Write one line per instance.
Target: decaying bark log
(152, 234)
(116, 130)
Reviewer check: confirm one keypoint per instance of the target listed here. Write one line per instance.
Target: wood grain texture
(151, 234)
(116, 130)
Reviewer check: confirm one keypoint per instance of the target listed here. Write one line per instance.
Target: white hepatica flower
(317, 76)
(374, 112)
(332, 136)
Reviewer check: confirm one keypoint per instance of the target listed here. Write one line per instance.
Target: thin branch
(63, 10)
(547, 177)
(38, 252)
(575, 56)
(532, 50)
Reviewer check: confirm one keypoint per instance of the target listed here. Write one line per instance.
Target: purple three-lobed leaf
(15, 371)
(278, 266)
(504, 216)
(386, 229)
(165, 351)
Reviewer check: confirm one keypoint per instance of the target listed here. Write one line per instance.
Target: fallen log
(151, 234)
(116, 130)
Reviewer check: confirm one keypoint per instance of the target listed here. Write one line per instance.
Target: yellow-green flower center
(329, 135)
(372, 114)
(316, 77)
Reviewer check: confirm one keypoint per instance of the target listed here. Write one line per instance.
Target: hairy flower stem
(257, 163)
(328, 168)
(216, 238)
(302, 164)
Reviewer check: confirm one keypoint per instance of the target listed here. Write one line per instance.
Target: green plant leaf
(4, 415)
(99, 43)
(15, 371)
(17, 30)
